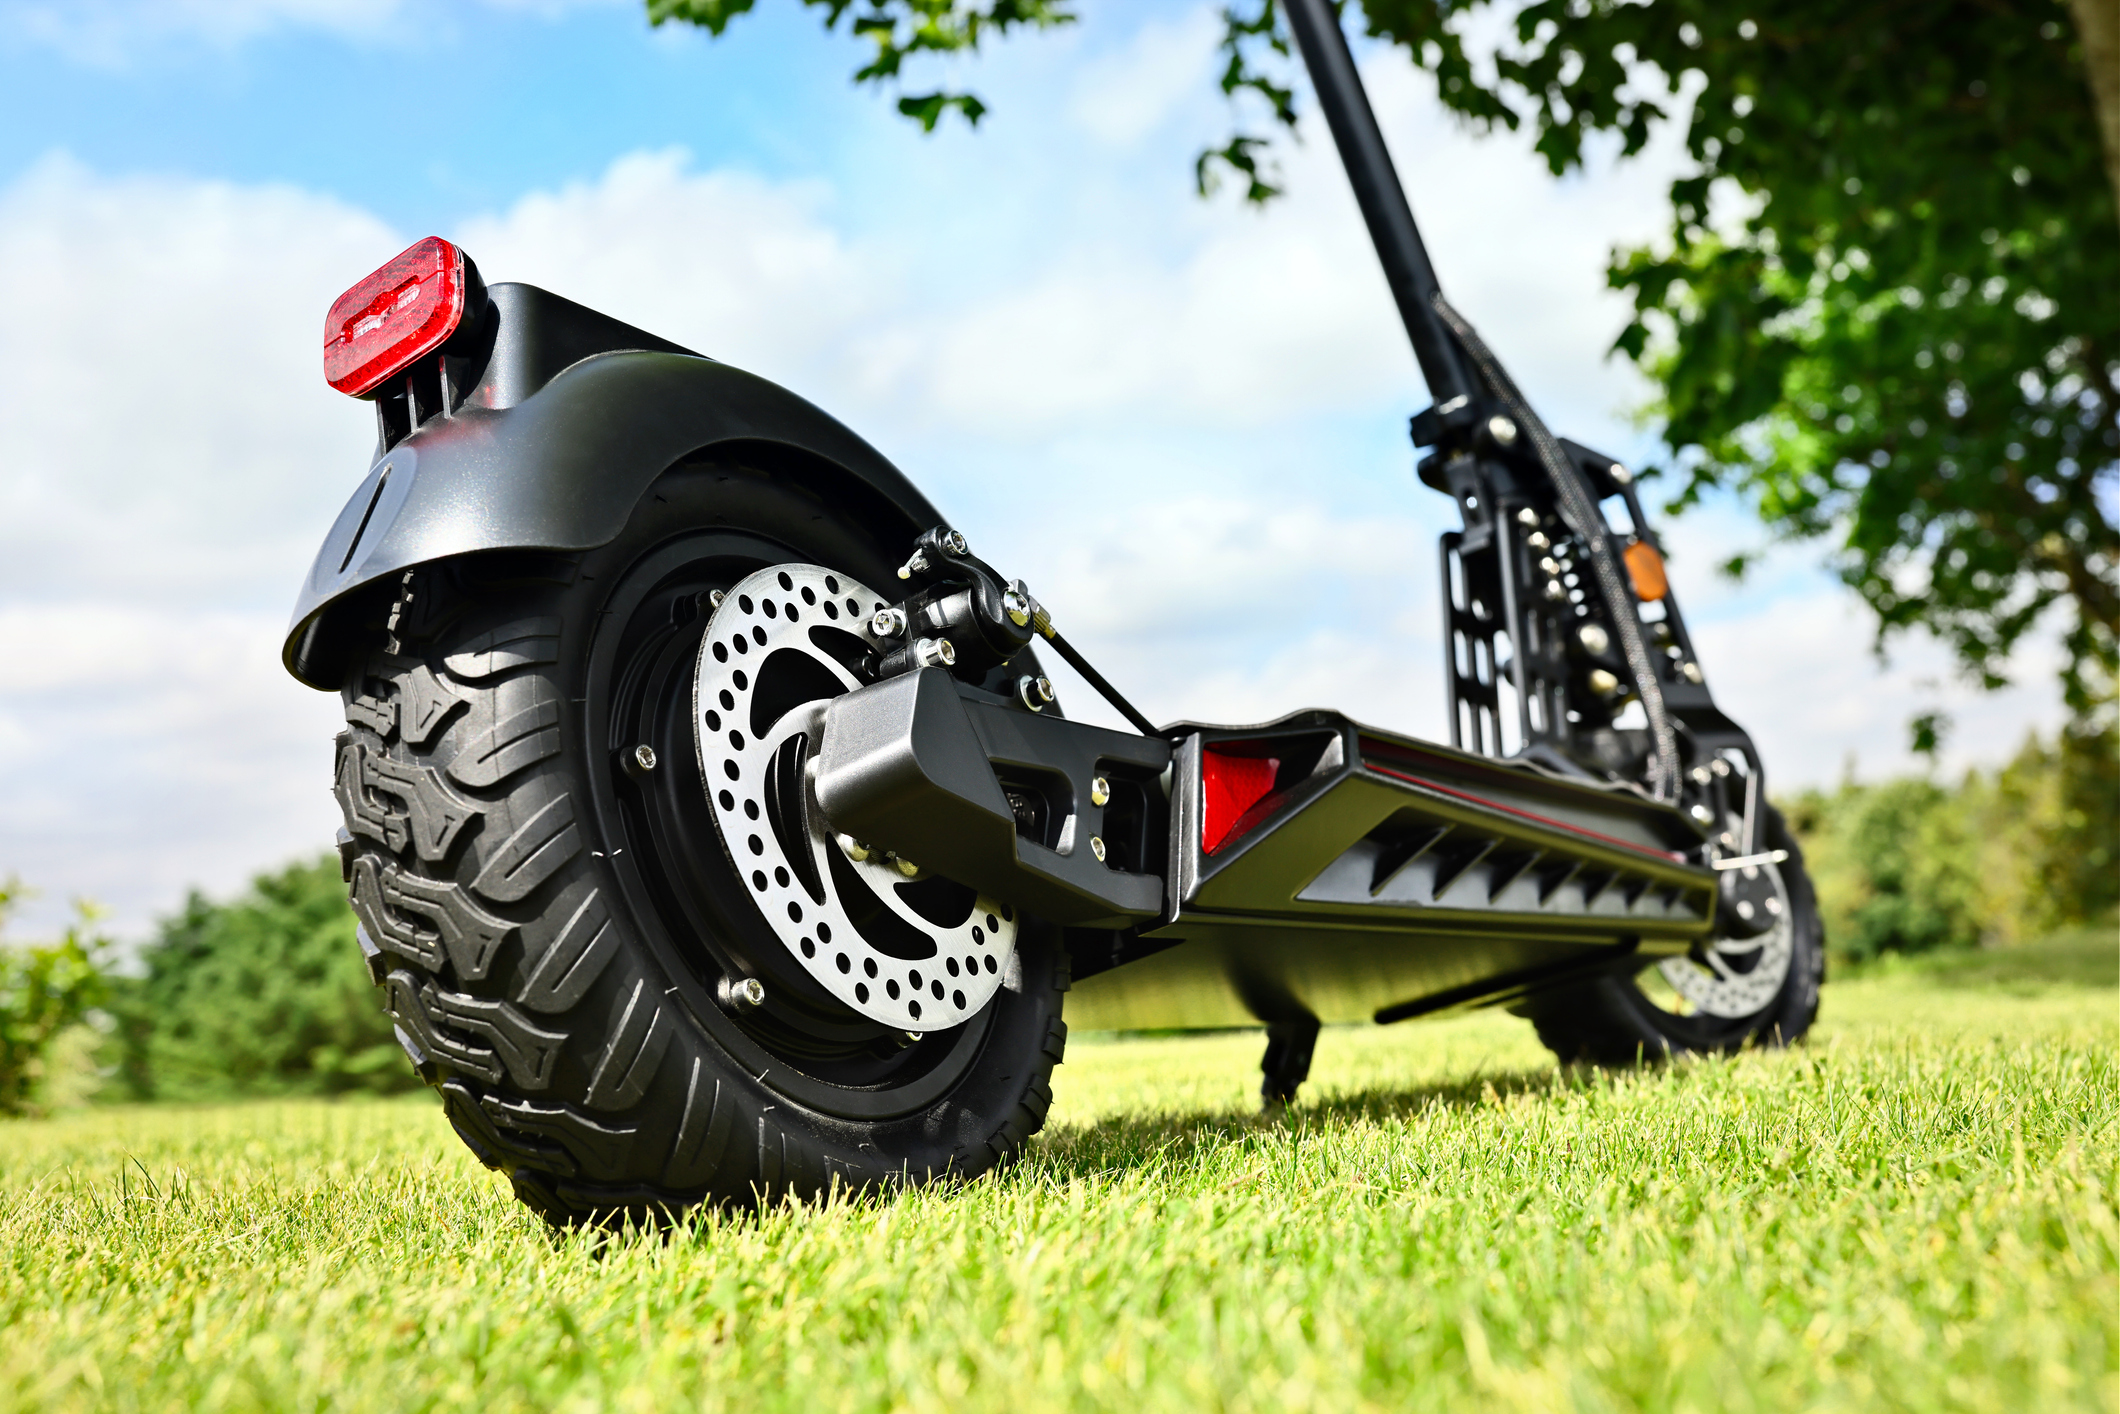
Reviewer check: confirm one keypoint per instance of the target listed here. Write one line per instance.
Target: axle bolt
(934, 653)
(742, 993)
(1034, 693)
(1502, 430)
(888, 623)
(1096, 847)
(1100, 791)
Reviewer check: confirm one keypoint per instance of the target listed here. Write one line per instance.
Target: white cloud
(1122, 96)
(115, 34)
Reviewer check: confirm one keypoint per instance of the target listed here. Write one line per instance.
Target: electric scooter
(715, 834)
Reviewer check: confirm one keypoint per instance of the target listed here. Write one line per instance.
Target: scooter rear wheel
(571, 953)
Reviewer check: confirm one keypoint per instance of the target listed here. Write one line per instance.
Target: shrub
(43, 990)
(265, 994)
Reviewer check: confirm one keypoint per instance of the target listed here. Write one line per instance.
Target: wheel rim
(899, 946)
(1732, 978)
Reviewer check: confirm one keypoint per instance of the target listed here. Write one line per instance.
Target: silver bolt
(743, 993)
(1594, 638)
(644, 757)
(855, 849)
(1096, 847)
(1502, 429)
(1603, 683)
(1034, 693)
(1016, 603)
(1700, 813)
(1751, 871)
(1701, 775)
(1537, 540)
(1556, 590)
(887, 623)
(1719, 766)
(1774, 907)
(934, 652)
(1691, 672)
(1621, 476)
(956, 544)
(1550, 565)
(1527, 516)
(1100, 791)
(714, 599)
(1745, 909)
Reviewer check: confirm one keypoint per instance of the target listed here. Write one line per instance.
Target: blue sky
(1182, 421)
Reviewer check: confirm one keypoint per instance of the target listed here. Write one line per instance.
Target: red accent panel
(1547, 821)
(1231, 784)
(395, 317)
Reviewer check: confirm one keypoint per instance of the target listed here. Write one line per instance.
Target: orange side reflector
(1646, 568)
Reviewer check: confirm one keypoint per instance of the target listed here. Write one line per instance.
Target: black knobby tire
(1614, 1020)
(552, 931)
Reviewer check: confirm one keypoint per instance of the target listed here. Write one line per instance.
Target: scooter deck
(1384, 877)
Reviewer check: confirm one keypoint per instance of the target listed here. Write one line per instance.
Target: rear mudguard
(552, 444)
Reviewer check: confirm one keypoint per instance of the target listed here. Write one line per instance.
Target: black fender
(572, 418)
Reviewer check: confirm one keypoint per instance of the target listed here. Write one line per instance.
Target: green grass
(1915, 1211)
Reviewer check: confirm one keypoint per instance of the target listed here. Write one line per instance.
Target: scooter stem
(1377, 190)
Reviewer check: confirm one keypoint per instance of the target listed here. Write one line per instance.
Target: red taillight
(395, 317)
(1231, 783)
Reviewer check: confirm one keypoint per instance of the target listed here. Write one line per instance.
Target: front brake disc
(896, 943)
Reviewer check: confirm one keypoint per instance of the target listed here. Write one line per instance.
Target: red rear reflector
(395, 317)
(1231, 785)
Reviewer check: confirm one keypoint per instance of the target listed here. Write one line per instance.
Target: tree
(1885, 308)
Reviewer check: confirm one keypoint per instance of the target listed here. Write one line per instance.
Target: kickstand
(1287, 1062)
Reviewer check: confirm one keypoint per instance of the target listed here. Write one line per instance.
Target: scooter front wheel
(1732, 993)
(608, 921)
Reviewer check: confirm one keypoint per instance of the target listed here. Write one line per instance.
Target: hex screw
(1016, 603)
(742, 993)
(644, 757)
(934, 653)
(1034, 693)
(956, 544)
(888, 623)
(715, 597)
(1096, 847)
(1100, 791)
(1502, 430)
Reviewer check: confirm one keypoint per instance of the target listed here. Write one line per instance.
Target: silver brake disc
(897, 944)
(1741, 975)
